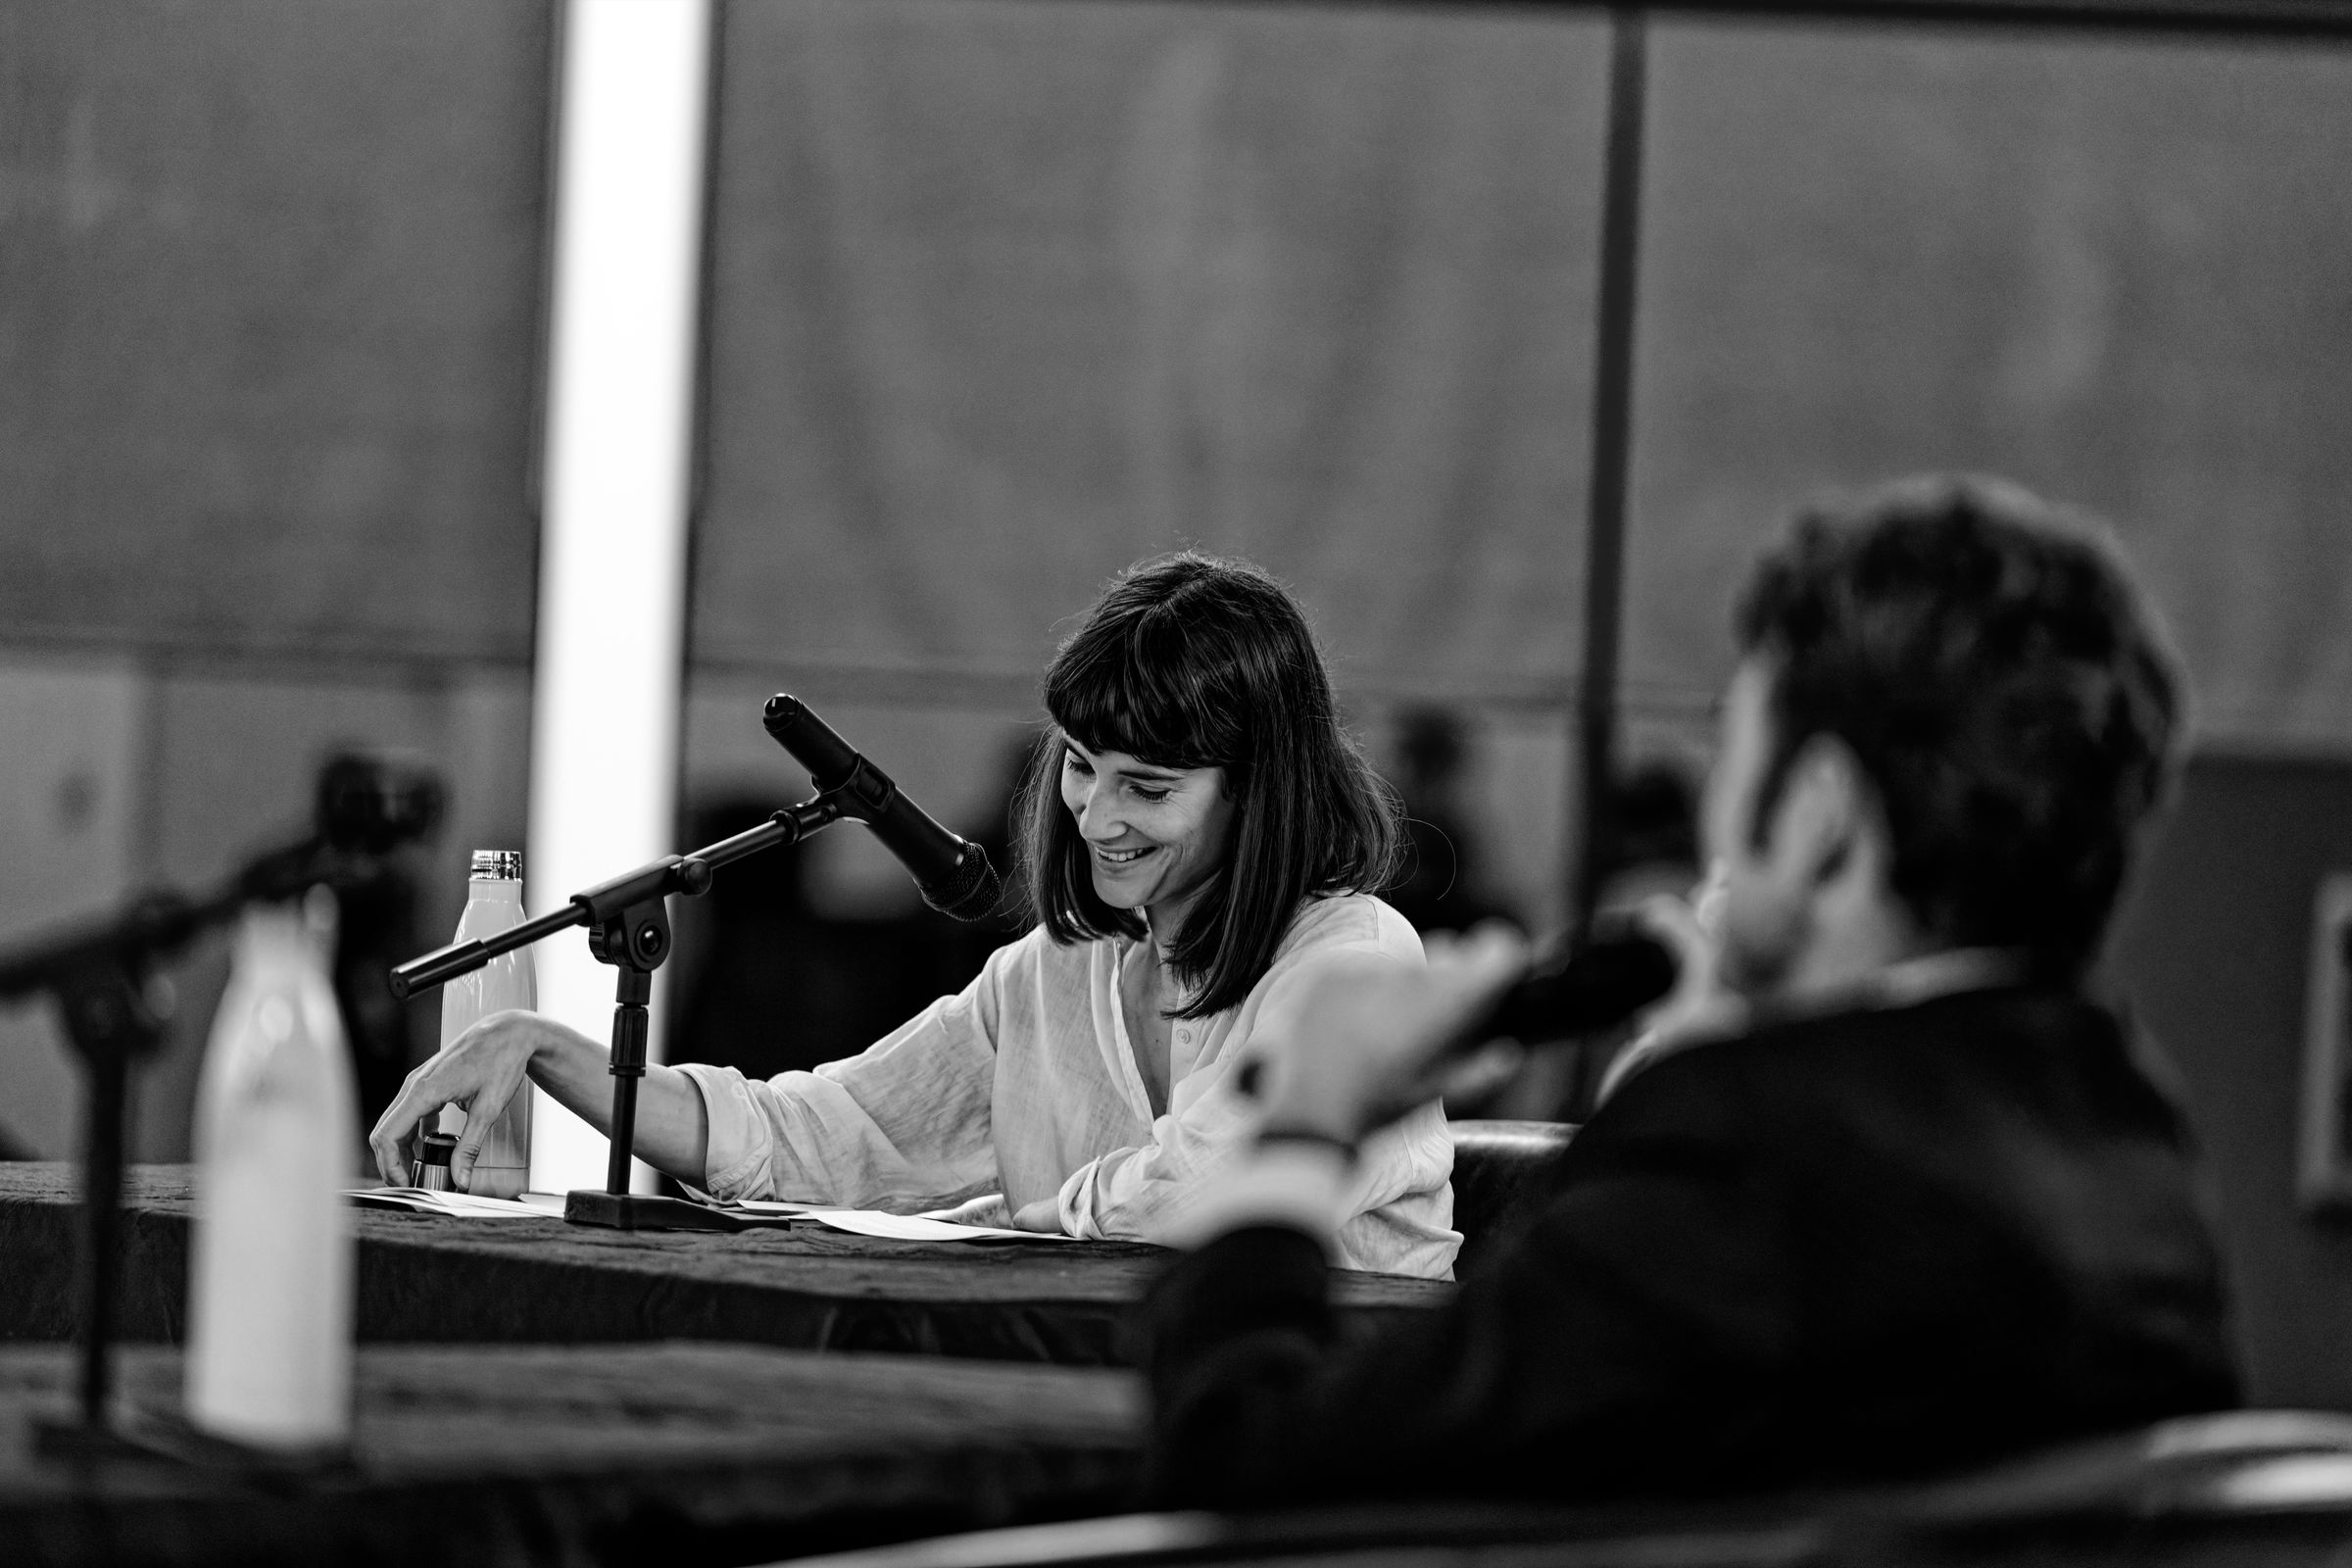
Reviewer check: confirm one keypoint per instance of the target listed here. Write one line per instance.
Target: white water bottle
(269, 1297)
(493, 904)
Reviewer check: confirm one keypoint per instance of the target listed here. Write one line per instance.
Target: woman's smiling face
(1154, 835)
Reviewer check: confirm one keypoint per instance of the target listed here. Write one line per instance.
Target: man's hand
(1700, 1006)
(1363, 1039)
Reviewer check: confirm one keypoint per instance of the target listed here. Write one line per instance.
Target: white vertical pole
(629, 150)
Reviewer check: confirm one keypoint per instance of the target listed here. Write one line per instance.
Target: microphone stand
(628, 927)
(115, 1003)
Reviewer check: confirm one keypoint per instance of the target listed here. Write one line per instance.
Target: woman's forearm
(674, 1131)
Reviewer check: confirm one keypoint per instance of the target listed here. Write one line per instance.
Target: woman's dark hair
(1191, 661)
(1987, 661)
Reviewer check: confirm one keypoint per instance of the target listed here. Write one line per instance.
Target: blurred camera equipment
(106, 975)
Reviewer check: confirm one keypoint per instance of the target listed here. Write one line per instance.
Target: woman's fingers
(469, 1144)
(482, 1112)
(986, 1210)
(1042, 1216)
(484, 1065)
(391, 1136)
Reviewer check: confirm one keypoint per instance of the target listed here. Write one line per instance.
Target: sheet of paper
(914, 1227)
(417, 1199)
(858, 1221)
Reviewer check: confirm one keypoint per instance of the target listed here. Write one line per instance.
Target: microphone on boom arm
(952, 873)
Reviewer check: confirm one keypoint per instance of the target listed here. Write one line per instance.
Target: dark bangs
(1158, 689)
(1194, 661)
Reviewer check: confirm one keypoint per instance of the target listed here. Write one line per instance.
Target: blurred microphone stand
(628, 927)
(107, 979)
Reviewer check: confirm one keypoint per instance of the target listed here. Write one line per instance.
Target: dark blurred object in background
(1439, 889)
(970, 942)
(376, 928)
(1656, 846)
(774, 986)
(382, 807)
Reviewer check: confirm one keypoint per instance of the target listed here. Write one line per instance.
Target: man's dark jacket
(1857, 1247)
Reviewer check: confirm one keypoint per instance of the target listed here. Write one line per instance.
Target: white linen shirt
(1025, 1084)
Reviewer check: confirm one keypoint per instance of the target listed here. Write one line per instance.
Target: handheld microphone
(1593, 986)
(952, 873)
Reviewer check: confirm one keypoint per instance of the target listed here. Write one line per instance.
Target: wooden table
(429, 1279)
(507, 1455)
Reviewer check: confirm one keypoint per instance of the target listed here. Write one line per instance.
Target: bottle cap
(433, 1152)
(497, 865)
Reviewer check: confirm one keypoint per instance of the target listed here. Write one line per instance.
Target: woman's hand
(987, 1210)
(1042, 1216)
(482, 1067)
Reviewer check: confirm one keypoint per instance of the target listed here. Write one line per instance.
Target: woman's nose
(1098, 817)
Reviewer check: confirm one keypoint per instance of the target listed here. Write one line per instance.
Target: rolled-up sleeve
(903, 1125)
(1134, 1193)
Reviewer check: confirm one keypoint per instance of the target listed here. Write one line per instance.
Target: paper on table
(858, 1221)
(914, 1227)
(419, 1200)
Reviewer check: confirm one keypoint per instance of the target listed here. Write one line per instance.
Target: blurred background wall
(1003, 294)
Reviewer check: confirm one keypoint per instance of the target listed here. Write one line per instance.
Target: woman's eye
(1074, 763)
(1153, 796)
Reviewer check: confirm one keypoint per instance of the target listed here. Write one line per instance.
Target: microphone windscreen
(1597, 986)
(971, 892)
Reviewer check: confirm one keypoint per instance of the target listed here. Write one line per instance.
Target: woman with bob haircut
(1198, 829)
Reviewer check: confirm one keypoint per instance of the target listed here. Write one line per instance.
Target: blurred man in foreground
(1888, 1195)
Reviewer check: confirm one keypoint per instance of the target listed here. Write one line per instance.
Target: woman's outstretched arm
(486, 1066)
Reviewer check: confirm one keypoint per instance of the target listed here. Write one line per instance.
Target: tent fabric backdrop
(2119, 271)
(1007, 295)
(269, 278)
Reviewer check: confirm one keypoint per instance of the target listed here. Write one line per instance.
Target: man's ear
(1828, 809)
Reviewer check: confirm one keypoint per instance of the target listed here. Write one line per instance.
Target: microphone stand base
(643, 1212)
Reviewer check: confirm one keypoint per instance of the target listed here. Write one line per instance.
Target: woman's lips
(1119, 860)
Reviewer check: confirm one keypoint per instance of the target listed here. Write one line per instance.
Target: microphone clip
(865, 795)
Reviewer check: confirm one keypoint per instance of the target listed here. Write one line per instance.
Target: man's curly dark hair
(1986, 660)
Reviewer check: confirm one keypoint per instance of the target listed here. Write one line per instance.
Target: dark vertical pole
(101, 1214)
(630, 1026)
(1612, 426)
